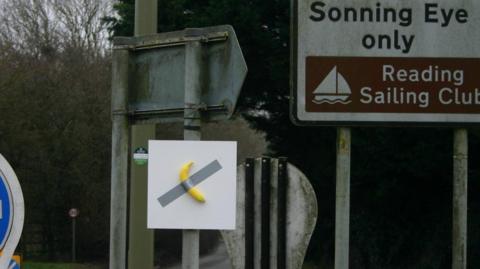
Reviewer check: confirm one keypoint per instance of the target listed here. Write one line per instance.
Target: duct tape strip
(192, 181)
(187, 185)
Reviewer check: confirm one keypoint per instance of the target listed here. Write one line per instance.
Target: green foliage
(55, 131)
(123, 24)
(55, 123)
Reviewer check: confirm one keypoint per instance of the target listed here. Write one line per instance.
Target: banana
(193, 191)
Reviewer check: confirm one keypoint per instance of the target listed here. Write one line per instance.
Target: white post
(342, 205)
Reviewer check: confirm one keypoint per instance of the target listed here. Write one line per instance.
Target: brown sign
(392, 85)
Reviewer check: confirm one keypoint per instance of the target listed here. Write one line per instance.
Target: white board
(363, 40)
(166, 159)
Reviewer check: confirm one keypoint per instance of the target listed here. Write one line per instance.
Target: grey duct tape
(192, 181)
(187, 185)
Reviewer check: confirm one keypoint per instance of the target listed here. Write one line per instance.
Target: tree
(43, 27)
(55, 121)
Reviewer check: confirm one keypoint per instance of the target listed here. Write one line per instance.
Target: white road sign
(386, 61)
(192, 185)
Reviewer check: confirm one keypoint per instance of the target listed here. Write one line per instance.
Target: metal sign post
(141, 239)
(342, 203)
(460, 190)
(119, 175)
(74, 251)
(73, 213)
(192, 129)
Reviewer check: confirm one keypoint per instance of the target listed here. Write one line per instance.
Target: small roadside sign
(140, 156)
(73, 212)
(192, 185)
(385, 62)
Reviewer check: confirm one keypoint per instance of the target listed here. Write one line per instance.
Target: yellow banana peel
(193, 191)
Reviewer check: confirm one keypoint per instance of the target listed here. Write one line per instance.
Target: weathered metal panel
(235, 240)
(157, 89)
(300, 217)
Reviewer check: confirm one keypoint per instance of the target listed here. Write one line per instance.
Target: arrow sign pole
(192, 129)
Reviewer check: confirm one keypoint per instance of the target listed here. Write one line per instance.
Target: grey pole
(342, 204)
(192, 130)
(119, 174)
(74, 255)
(460, 183)
(141, 239)
(146, 17)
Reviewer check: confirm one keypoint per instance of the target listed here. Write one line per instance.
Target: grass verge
(41, 265)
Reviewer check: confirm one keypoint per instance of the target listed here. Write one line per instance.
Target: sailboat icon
(333, 89)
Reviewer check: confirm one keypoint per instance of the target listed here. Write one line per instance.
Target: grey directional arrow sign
(157, 69)
(192, 181)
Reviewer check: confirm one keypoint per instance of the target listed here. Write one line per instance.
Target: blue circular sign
(5, 210)
(12, 213)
